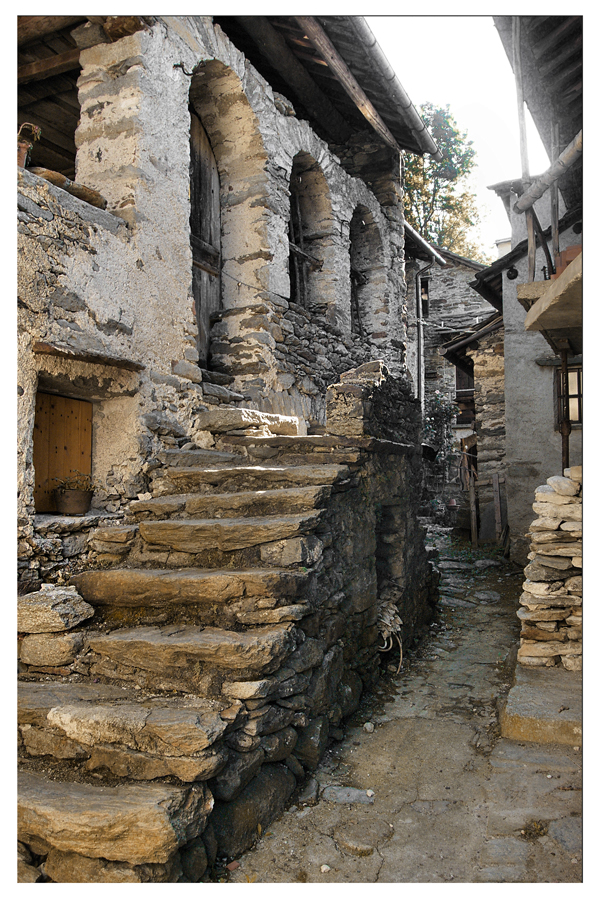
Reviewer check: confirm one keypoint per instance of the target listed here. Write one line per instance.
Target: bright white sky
(460, 61)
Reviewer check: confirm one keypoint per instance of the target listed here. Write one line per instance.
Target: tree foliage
(438, 203)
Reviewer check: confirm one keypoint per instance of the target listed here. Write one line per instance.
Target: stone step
(239, 503)
(195, 535)
(226, 419)
(140, 824)
(185, 587)
(115, 728)
(299, 450)
(189, 658)
(198, 458)
(226, 479)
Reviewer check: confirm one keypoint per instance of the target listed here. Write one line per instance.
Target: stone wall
(490, 426)
(551, 602)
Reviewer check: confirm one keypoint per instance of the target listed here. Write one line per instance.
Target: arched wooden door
(205, 233)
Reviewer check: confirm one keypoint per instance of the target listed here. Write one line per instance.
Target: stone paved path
(423, 788)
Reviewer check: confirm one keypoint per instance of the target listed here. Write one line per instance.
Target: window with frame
(572, 391)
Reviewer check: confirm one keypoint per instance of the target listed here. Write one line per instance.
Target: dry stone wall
(551, 602)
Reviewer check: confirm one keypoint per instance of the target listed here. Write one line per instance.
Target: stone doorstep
(244, 477)
(163, 587)
(195, 535)
(134, 823)
(241, 503)
(545, 706)
(161, 649)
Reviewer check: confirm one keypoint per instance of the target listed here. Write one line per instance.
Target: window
(574, 394)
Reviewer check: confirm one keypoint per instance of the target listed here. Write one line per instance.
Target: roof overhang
(416, 247)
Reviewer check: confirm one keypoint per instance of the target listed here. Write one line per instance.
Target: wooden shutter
(205, 233)
(62, 444)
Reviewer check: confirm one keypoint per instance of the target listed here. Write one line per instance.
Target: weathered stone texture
(552, 592)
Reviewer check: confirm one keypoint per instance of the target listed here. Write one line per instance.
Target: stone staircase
(209, 643)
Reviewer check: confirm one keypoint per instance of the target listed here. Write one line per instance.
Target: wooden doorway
(205, 233)
(62, 444)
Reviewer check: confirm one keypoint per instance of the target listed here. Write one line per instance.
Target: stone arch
(217, 96)
(311, 228)
(367, 272)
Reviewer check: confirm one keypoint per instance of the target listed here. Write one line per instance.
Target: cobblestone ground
(423, 788)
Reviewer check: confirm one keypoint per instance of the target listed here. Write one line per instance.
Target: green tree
(438, 203)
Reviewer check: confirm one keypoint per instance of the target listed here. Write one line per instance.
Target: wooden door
(205, 233)
(62, 444)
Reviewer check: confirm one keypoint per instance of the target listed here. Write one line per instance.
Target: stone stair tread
(137, 823)
(197, 457)
(195, 535)
(247, 476)
(159, 647)
(158, 587)
(92, 715)
(267, 501)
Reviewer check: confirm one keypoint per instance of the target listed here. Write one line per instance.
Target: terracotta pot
(73, 503)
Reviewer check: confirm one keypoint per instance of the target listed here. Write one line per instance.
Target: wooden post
(497, 506)
(526, 178)
(473, 506)
(565, 425)
(554, 198)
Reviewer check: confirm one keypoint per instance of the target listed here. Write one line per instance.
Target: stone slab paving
(430, 791)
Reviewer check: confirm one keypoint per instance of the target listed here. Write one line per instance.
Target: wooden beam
(322, 43)
(567, 158)
(278, 54)
(32, 28)
(46, 68)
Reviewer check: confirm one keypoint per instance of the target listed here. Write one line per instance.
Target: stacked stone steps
(204, 695)
(299, 450)
(196, 535)
(242, 503)
(161, 588)
(156, 827)
(133, 736)
(228, 479)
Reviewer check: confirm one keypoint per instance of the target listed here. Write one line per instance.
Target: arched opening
(309, 234)
(367, 273)
(218, 100)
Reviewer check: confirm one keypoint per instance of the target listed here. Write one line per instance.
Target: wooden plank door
(205, 233)
(62, 444)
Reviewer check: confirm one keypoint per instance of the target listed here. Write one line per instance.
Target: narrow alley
(424, 788)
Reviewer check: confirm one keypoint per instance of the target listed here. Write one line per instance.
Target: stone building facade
(239, 394)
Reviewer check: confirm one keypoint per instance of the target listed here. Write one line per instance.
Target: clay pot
(73, 503)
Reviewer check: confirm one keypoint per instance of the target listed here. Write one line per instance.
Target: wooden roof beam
(46, 68)
(278, 54)
(33, 28)
(326, 49)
